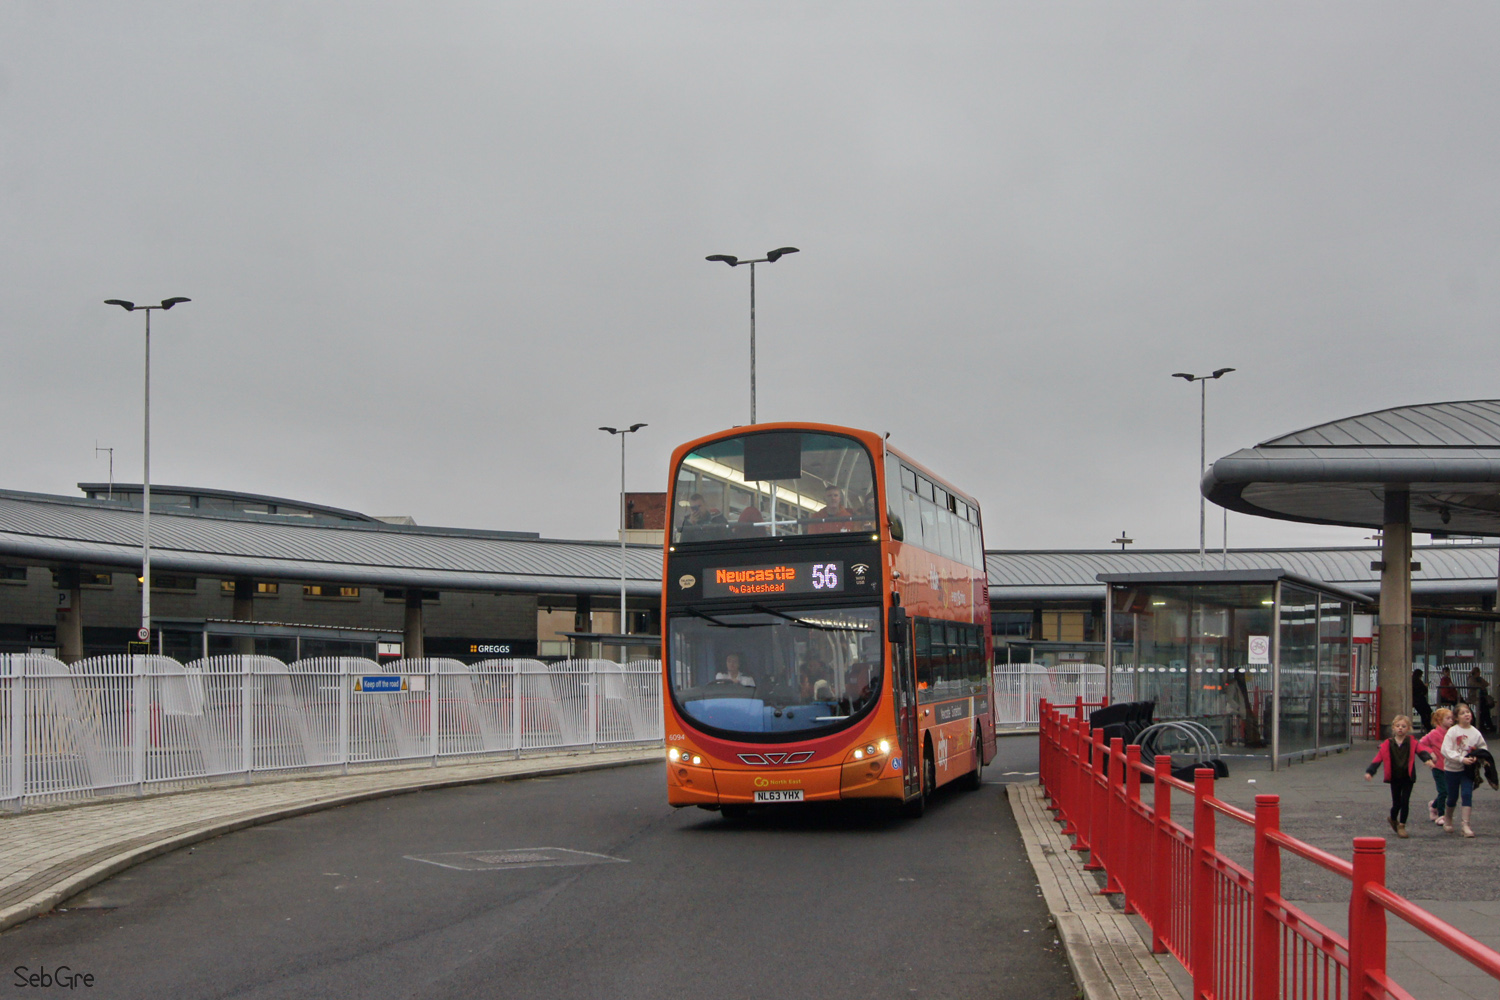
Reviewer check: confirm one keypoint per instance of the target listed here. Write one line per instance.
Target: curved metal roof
(1064, 575)
(1447, 455)
(51, 529)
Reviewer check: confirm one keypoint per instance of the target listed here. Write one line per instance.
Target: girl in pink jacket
(1431, 746)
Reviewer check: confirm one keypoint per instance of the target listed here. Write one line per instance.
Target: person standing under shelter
(1479, 694)
(1447, 690)
(1419, 702)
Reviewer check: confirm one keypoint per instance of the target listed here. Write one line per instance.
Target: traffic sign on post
(143, 634)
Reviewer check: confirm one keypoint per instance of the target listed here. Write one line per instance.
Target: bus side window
(911, 518)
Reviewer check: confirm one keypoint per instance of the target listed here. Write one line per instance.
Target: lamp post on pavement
(621, 432)
(1202, 381)
(771, 257)
(145, 632)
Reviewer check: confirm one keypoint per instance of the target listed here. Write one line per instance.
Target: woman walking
(1399, 754)
(1458, 753)
(1431, 746)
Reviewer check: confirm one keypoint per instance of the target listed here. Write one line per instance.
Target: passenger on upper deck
(750, 523)
(703, 522)
(834, 517)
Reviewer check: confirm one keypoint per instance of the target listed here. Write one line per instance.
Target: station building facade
(240, 572)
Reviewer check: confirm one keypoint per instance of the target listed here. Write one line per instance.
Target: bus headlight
(673, 755)
(870, 751)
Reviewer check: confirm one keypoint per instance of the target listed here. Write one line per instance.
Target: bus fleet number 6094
(825, 623)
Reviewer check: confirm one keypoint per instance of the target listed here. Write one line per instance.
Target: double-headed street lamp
(145, 632)
(1202, 381)
(622, 431)
(771, 257)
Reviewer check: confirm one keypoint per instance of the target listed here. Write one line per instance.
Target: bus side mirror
(898, 531)
(896, 625)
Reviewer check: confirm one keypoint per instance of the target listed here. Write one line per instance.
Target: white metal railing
(1020, 687)
(117, 723)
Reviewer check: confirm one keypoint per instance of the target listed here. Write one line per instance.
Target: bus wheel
(975, 778)
(734, 813)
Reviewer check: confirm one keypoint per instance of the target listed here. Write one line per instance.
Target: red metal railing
(1229, 926)
(1364, 714)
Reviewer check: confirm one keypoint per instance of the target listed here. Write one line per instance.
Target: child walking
(1399, 754)
(1458, 753)
(1431, 746)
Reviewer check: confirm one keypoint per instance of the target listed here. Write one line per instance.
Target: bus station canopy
(1446, 456)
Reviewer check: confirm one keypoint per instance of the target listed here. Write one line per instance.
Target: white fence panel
(629, 701)
(1020, 688)
(113, 722)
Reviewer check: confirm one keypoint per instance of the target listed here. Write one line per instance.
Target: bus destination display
(783, 578)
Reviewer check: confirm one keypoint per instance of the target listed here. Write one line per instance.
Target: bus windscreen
(774, 483)
(765, 673)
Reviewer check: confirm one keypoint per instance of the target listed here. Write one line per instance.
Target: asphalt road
(794, 901)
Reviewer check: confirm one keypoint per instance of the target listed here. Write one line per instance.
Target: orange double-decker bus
(825, 623)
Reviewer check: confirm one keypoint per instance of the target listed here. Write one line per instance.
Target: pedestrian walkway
(1326, 803)
(46, 857)
(1109, 958)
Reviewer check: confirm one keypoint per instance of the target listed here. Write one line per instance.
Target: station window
(399, 594)
(329, 590)
(12, 574)
(167, 581)
(262, 589)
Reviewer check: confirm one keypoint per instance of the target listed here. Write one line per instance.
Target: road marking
(1024, 774)
(507, 858)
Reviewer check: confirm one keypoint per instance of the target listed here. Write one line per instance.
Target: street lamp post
(621, 432)
(1202, 381)
(145, 633)
(771, 257)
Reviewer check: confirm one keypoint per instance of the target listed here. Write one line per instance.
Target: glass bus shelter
(1263, 658)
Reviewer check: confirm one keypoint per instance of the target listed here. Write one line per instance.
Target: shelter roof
(54, 530)
(1060, 575)
(1447, 455)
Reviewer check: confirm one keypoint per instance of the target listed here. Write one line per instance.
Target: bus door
(903, 670)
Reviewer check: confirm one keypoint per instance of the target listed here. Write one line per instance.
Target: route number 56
(825, 576)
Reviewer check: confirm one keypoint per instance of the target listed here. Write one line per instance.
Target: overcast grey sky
(432, 246)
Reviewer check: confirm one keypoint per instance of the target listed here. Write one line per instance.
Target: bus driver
(731, 672)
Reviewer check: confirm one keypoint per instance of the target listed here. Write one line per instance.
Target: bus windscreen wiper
(805, 624)
(714, 621)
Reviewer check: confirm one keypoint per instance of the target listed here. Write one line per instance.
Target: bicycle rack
(1197, 740)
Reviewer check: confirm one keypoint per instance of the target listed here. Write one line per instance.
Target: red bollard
(1203, 917)
(1265, 949)
(1366, 920)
